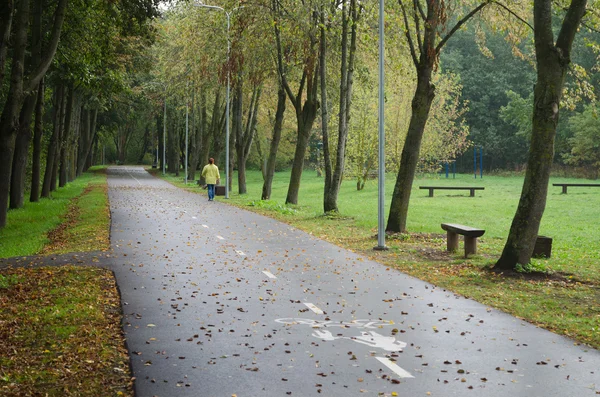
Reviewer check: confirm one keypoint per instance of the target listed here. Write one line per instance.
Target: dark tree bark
(306, 104)
(327, 206)
(552, 61)
(21, 154)
(86, 138)
(196, 138)
(333, 180)
(38, 131)
(275, 139)
(146, 144)
(65, 148)
(215, 136)
(425, 53)
(6, 16)
(9, 120)
(244, 135)
(24, 132)
(54, 145)
(19, 88)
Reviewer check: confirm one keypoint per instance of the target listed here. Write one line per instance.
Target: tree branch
(413, 52)
(38, 74)
(417, 9)
(459, 24)
(570, 25)
(514, 14)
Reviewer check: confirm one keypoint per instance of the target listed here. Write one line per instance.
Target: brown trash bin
(219, 190)
(543, 247)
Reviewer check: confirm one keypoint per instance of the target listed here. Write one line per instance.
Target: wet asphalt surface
(219, 301)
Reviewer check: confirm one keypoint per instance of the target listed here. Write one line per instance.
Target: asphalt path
(219, 301)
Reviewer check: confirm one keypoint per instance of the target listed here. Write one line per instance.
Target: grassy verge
(60, 334)
(76, 218)
(564, 299)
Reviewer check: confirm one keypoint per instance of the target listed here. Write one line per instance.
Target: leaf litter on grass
(60, 334)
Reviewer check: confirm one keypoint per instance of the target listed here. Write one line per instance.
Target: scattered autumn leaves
(60, 333)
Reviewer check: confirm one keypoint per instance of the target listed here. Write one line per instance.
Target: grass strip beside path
(60, 333)
(42, 227)
(563, 296)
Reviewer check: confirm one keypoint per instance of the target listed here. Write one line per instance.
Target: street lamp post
(381, 177)
(228, 15)
(164, 134)
(187, 114)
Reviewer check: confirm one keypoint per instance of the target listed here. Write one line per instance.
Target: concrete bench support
(471, 234)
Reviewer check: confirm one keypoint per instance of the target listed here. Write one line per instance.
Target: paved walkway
(219, 301)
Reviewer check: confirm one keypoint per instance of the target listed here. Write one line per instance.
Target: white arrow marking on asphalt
(220, 238)
(314, 308)
(394, 367)
(241, 253)
(269, 274)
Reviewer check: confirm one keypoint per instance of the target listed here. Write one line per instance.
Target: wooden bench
(565, 185)
(470, 188)
(470, 233)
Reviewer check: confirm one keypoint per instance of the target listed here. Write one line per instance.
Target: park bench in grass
(470, 233)
(565, 185)
(470, 188)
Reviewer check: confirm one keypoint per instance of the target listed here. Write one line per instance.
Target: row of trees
(314, 58)
(315, 51)
(62, 63)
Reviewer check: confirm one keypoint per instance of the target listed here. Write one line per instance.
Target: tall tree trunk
(54, 145)
(421, 106)
(19, 89)
(328, 205)
(6, 15)
(84, 136)
(275, 139)
(306, 105)
(37, 145)
(237, 118)
(86, 139)
(21, 154)
(196, 138)
(424, 54)
(552, 63)
(334, 175)
(245, 136)
(63, 173)
(305, 120)
(147, 141)
(9, 120)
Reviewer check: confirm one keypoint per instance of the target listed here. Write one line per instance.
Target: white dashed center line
(220, 238)
(206, 226)
(269, 274)
(394, 367)
(193, 217)
(314, 308)
(240, 253)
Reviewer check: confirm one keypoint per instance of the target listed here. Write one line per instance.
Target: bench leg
(472, 192)
(470, 246)
(430, 192)
(564, 190)
(452, 241)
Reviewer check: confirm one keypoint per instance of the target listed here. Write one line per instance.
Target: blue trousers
(211, 192)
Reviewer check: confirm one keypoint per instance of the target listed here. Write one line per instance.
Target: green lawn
(568, 301)
(83, 202)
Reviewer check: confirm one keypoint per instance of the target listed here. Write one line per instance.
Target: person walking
(211, 176)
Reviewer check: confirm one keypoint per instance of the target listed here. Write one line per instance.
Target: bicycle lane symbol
(366, 337)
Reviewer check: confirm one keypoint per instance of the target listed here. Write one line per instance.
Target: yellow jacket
(211, 173)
